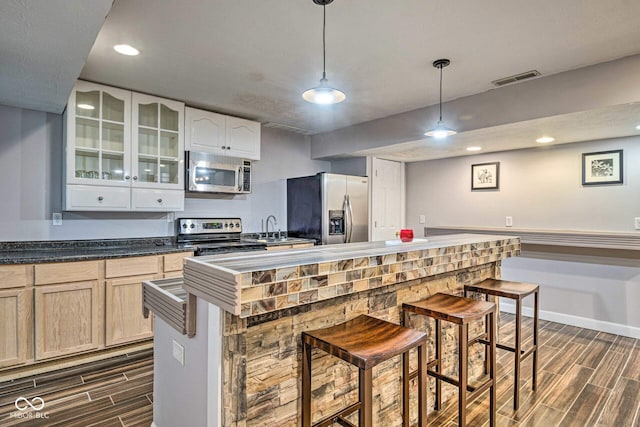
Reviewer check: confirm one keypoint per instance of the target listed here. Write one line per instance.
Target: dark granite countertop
(34, 252)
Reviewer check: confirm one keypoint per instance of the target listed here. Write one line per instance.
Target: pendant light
(440, 131)
(323, 93)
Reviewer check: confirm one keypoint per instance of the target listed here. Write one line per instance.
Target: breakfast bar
(243, 366)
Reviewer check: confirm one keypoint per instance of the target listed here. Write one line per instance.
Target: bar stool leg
(438, 366)
(535, 341)
(492, 368)
(422, 387)
(306, 385)
(365, 418)
(405, 385)
(486, 349)
(516, 374)
(462, 373)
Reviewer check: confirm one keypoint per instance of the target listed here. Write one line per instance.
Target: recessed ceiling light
(474, 148)
(545, 139)
(638, 127)
(125, 49)
(86, 106)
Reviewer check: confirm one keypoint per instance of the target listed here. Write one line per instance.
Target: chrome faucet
(273, 227)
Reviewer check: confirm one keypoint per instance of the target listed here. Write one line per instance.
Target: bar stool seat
(460, 311)
(365, 342)
(516, 291)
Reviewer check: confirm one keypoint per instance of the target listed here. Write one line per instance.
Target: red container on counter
(406, 235)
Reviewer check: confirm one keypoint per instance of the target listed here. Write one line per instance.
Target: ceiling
(254, 58)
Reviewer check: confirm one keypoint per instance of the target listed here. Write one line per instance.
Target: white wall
(31, 185)
(541, 189)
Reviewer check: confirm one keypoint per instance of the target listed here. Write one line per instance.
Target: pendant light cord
(324, 49)
(440, 66)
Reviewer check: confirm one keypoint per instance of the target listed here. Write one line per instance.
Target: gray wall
(31, 185)
(589, 88)
(350, 166)
(541, 189)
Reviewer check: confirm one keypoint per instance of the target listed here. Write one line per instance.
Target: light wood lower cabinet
(67, 319)
(53, 310)
(123, 308)
(15, 318)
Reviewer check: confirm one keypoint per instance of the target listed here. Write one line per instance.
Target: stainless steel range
(212, 236)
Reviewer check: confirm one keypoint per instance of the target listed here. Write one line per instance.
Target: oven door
(214, 177)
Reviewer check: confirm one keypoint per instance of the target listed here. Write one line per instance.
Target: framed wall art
(485, 176)
(603, 167)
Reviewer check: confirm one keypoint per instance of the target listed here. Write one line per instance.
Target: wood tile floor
(114, 392)
(586, 378)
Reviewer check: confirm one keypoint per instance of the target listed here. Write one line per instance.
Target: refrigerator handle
(350, 218)
(345, 207)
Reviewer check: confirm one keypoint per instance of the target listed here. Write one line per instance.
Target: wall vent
(288, 128)
(516, 78)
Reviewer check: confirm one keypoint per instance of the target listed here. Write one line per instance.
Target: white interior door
(387, 199)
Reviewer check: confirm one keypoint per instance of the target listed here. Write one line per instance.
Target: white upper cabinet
(120, 143)
(98, 136)
(158, 143)
(223, 135)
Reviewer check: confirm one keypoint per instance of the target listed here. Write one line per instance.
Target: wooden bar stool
(365, 342)
(460, 311)
(516, 291)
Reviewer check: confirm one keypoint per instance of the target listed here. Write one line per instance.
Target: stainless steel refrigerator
(329, 208)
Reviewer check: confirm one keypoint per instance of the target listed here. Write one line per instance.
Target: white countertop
(245, 262)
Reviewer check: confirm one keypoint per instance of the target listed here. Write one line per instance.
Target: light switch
(422, 219)
(178, 352)
(636, 222)
(508, 221)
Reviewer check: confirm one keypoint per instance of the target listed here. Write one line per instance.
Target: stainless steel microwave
(208, 173)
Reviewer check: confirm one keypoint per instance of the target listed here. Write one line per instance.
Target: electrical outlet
(508, 221)
(636, 222)
(422, 219)
(56, 218)
(178, 352)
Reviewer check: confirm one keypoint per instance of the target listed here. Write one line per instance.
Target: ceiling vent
(516, 78)
(288, 128)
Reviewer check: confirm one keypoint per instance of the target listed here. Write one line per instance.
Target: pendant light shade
(323, 94)
(440, 131)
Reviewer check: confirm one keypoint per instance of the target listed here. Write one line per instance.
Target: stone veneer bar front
(270, 299)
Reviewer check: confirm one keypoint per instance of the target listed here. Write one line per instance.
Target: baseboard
(582, 322)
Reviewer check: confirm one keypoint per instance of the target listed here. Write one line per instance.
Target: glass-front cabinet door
(158, 142)
(98, 135)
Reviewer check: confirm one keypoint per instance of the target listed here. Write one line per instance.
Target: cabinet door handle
(127, 177)
(159, 200)
(135, 178)
(228, 147)
(224, 147)
(100, 198)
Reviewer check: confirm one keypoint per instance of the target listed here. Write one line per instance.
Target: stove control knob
(238, 224)
(231, 225)
(184, 225)
(193, 226)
